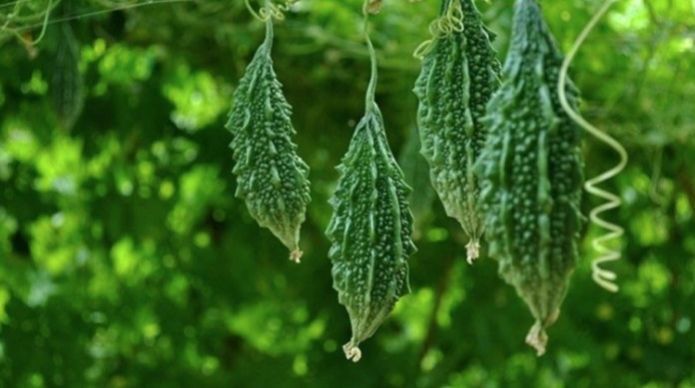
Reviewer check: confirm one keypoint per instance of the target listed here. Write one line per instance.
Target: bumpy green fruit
(417, 174)
(66, 84)
(271, 177)
(532, 172)
(459, 74)
(370, 231)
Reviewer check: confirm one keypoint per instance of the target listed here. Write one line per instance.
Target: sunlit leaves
(60, 166)
(8, 226)
(57, 245)
(198, 189)
(125, 65)
(276, 329)
(198, 98)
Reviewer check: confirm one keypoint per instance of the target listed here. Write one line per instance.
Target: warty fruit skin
(271, 177)
(532, 172)
(370, 231)
(459, 75)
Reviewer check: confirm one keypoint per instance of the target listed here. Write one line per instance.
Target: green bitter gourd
(271, 177)
(531, 169)
(370, 229)
(460, 72)
(66, 85)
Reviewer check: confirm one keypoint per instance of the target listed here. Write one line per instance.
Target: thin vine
(603, 277)
(14, 15)
(370, 99)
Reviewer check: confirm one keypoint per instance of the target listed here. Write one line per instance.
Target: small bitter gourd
(531, 170)
(271, 177)
(460, 72)
(417, 174)
(66, 83)
(370, 229)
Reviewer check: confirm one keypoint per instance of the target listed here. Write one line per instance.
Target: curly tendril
(603, 277)
(44, 24)
(270, 10)
(450, 22)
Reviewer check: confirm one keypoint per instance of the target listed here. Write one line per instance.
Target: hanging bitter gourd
(531, 170)
(66, 83)
(370, 229)
(271, 177)
(417, 174)
(459, 73)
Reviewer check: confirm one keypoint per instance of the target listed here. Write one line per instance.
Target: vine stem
(96, 13)
(44, 27)
(269, 34)
(603, 277)
(370, 98)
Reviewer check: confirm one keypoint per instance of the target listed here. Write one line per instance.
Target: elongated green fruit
(371, 226)
(66, 83)
(417, 174)
(370, 231)
(532, 173)
(271, 177)
(459, 74)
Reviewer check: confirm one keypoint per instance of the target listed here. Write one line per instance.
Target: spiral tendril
(448, 23)
(603, 277)
(270, 10)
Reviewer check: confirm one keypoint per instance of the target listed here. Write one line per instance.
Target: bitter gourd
(66, 83)
(459, 74)
(370, 229)
(271, 177)
(531, 170)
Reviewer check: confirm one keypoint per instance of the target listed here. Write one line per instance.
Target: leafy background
(125, 260)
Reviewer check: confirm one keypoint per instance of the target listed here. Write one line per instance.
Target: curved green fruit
(532, 173)
(370, 231)
(271, 177)
(66, 84)
(459, 75)
(416, 173)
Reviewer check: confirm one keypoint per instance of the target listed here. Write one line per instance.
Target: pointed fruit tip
(352, 352)
(537, 338)
(296, 255)
(472, 251)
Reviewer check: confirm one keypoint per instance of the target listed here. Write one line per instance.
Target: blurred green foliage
(125, 260)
